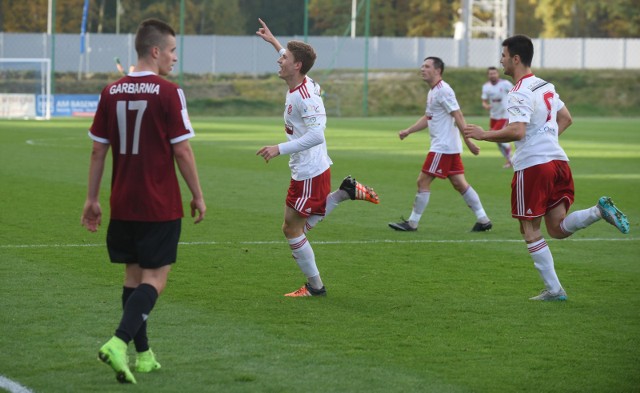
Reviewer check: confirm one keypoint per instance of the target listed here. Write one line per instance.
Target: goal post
(25, 88)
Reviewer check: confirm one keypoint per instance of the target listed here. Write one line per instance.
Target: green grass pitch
(438, 310)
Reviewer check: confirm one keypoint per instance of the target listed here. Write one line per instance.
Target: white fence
(251, 55)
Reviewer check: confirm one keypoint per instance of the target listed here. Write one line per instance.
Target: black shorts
(149, 244)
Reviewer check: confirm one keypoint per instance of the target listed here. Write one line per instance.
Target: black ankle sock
(140, 340)
(136, 310)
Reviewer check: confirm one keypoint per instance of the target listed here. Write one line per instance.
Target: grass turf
(438, 310)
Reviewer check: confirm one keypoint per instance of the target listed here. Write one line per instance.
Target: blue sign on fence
(69, 105)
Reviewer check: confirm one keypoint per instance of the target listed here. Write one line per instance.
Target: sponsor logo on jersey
(515, 100)
(515, 111)
(289, 109)
(288, 129)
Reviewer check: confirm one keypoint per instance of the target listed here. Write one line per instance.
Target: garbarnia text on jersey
(135, 88)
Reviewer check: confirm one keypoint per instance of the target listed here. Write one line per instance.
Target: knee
(557, 233)
(289, 231)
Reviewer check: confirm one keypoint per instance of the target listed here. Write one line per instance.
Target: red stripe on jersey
(517, 86)
(304, 92)
(302, 89)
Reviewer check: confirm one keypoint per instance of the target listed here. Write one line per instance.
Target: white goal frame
(45, 83)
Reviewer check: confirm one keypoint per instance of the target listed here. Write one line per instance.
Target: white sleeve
(314, 136)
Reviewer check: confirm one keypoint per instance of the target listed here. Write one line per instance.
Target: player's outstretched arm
(419, 125)
(266, 35)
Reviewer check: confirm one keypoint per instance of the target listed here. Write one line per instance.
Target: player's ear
(155, 52)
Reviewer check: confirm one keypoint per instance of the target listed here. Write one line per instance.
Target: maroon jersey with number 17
(141, 115)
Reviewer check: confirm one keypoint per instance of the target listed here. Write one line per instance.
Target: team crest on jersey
(289, 109)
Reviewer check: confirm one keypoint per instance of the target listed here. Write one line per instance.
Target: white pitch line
(327, 242)
(13, 387)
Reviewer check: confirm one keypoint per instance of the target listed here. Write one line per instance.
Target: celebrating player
(542, 184)
(494, 97)
(143, 118)
(309, 198)
(443, 160)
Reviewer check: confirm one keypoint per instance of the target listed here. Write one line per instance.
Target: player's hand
(473, 131)
(473, 148)
(91, 216)
(268, 152)
(198, 205)
(403, 134)
(264, 32)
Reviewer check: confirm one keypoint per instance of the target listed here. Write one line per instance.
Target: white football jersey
(496, 95)
(445, 137)
(535, 102)
(304, 123)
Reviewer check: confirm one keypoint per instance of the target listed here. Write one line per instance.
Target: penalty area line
(12, 387)
(325, 242)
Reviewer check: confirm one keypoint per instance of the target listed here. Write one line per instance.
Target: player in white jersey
(494, 98)
(309, 199)
(443, 161)
(542, 184)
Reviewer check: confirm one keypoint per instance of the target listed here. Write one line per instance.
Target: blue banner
(82, 105)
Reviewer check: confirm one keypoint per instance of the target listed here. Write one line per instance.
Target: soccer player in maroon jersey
(309, 198)
(542, 184)
(143, 118)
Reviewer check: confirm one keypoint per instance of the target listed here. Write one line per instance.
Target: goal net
(25, 88)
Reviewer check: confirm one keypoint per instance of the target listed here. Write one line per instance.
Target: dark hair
(492, 68)
(303, 53)
(151, 33)
(437, 63)
(522, 46)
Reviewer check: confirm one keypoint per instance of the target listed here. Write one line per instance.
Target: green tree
(588, 18)
(433, 18)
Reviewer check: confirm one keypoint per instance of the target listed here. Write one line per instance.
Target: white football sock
(303, 254)
(543, 261)
(580, 219)
(472, 199)
(419, 204)
(333, 200)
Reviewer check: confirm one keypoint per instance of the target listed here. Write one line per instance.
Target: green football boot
(114, 353)
(146, 362)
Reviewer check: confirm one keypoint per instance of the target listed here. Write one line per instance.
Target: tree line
(390, 18)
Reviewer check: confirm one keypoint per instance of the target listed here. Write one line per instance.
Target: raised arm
(266, 35)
